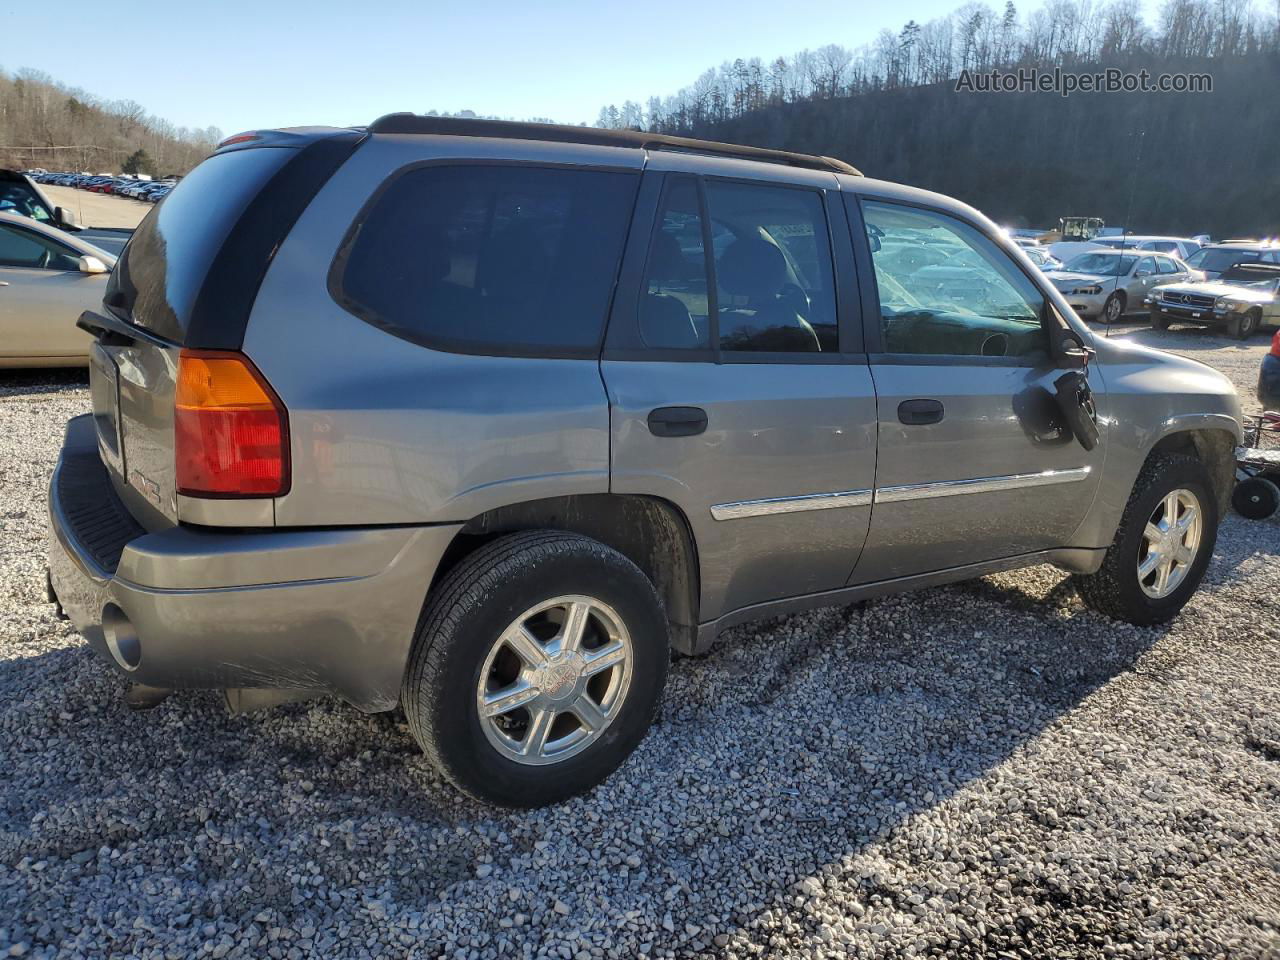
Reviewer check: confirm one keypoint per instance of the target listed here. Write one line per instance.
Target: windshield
(1218, 259)
(1102, 264)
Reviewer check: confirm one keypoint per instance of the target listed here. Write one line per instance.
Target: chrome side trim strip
(953, 488)
(774, 505)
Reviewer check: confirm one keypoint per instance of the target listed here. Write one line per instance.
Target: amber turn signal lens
(231, 436)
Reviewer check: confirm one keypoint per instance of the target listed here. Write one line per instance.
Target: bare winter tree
(45, 124)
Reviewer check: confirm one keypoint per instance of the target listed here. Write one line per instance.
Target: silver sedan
(1107, 284)
(47, 279)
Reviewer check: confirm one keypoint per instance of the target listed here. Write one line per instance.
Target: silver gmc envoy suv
(487, 419)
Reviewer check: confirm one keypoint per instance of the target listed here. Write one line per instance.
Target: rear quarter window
(491, 259)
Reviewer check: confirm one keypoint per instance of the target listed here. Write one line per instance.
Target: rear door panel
(777, 489)
(38, 311)
(774, 431)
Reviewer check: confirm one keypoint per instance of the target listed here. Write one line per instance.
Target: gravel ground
(983, 770)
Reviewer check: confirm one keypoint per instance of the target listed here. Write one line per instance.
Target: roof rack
(412, 123)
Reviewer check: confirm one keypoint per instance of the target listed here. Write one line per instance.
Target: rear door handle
(918, 412)
(677, 421)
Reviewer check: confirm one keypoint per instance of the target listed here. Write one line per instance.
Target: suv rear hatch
(187, 280)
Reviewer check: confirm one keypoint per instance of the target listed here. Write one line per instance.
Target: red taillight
(231, 432)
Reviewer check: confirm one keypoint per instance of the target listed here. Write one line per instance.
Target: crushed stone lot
(981, 770)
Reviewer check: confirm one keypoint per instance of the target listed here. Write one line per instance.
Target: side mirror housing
(65, 218)
(88, 264)
(1072, 354)
(1065, 346)
(1142, 273)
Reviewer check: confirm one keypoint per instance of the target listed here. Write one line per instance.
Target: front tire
(537, 668)
(1113, 309)
(1162, 546)
(1159, 321)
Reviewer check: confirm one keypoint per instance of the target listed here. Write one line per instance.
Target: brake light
(238, 138)
(231, 432)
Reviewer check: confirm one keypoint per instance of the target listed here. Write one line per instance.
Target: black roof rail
(412, 123)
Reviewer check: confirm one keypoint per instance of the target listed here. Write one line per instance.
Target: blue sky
(239, 65)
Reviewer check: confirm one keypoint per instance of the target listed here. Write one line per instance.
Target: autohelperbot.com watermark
(1066, 82)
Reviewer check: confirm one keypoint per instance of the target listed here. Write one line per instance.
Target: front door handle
(918, 412)
(677, 421)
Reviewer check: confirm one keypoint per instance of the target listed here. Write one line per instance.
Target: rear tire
(1256, 498)
(1117, 589)
(472, 658)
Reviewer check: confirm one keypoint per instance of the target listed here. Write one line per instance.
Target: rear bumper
(326, 610)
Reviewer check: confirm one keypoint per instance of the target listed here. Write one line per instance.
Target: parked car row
(124, 185)
(1176, 279)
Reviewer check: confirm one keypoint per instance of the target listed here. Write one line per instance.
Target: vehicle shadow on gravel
(17, 382)
(795, 745)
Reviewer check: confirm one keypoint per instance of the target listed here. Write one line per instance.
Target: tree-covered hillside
(44, 124)
(1156, 162)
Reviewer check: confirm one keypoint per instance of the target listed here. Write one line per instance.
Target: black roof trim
(412, 123)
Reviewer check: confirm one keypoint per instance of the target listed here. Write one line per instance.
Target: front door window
(947, 289)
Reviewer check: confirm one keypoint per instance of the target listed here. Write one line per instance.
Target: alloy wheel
(554, 680)
(1113, 309)
(1170, 543)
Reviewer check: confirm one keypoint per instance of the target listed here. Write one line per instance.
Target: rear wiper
(110, 331)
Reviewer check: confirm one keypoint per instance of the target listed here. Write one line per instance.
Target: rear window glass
(162, 269)
(491, 259)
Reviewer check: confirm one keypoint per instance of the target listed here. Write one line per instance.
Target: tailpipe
(139, 696)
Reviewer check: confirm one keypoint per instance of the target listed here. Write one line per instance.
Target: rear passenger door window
(768, 285)
(774, 279)
(491, 259)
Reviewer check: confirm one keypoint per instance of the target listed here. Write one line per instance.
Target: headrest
(751, 267)
(667, 261)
